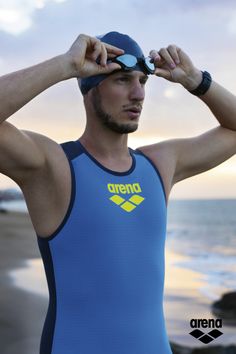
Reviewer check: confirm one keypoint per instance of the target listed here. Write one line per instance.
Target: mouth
(133, 112)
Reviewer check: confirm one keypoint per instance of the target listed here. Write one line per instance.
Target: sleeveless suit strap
(71, 149)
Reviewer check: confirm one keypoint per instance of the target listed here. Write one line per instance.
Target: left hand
(174, 65)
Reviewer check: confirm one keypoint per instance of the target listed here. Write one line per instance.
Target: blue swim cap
(119, 40)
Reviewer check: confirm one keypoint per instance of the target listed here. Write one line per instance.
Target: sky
(32, 31)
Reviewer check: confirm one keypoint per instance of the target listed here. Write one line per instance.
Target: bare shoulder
(49, 147)
(54, 156)
(23, 152)
(163, 156)
(181, 158)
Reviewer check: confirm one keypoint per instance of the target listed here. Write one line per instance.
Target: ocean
(14, 205)
(204, 231)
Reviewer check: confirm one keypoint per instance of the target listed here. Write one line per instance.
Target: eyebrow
(129, 74)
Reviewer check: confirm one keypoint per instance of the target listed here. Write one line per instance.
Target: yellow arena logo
(132, 202)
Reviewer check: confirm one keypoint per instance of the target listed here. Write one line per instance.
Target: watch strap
(204, 85)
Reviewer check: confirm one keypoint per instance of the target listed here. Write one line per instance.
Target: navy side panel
(72, 151)
(49, 325)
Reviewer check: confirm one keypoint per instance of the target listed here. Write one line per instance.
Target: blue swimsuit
(105, 262)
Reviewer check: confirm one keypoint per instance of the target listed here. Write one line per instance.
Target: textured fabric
(105, 262)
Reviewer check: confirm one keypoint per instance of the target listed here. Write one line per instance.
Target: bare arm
(198, 154)
(222, 103)
(22, 151)
(203, 152)
(20, 87)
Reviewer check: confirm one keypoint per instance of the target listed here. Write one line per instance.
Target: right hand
(85, 51)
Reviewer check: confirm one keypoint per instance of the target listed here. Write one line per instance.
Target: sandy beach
(22, 312)
(184, 301)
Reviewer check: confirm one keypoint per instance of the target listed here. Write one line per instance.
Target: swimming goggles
(128, 62)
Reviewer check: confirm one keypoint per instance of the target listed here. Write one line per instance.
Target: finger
(154, 55)
(172, 49)
(163, 73)
(113, 67)
(103, 59)
(97, 50)
(167, 57)
(112, 55)
(112, 49)
(109, 68)
(155, 58)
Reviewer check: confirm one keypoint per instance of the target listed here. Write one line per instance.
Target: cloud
(232, 24)
(16, 15)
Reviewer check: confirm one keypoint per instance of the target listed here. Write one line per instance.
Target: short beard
(107, 119)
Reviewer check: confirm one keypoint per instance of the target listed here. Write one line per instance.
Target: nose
(137, 92)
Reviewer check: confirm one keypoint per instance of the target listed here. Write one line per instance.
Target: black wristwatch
(204, 85)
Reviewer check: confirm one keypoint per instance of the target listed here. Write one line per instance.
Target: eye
(143, 81)
(123, 79)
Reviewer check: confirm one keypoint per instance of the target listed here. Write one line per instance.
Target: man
(99, 207)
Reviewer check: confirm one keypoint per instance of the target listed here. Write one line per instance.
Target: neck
(104, 143)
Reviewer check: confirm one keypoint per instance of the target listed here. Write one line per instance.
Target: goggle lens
(149, 64)
(128, 61)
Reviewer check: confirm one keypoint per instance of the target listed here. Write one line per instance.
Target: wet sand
(184, 301)
(21, 313)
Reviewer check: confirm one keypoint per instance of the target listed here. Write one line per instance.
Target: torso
(112, 243)
(47, 204)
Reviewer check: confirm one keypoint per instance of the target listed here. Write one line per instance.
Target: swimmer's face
(118, 100)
